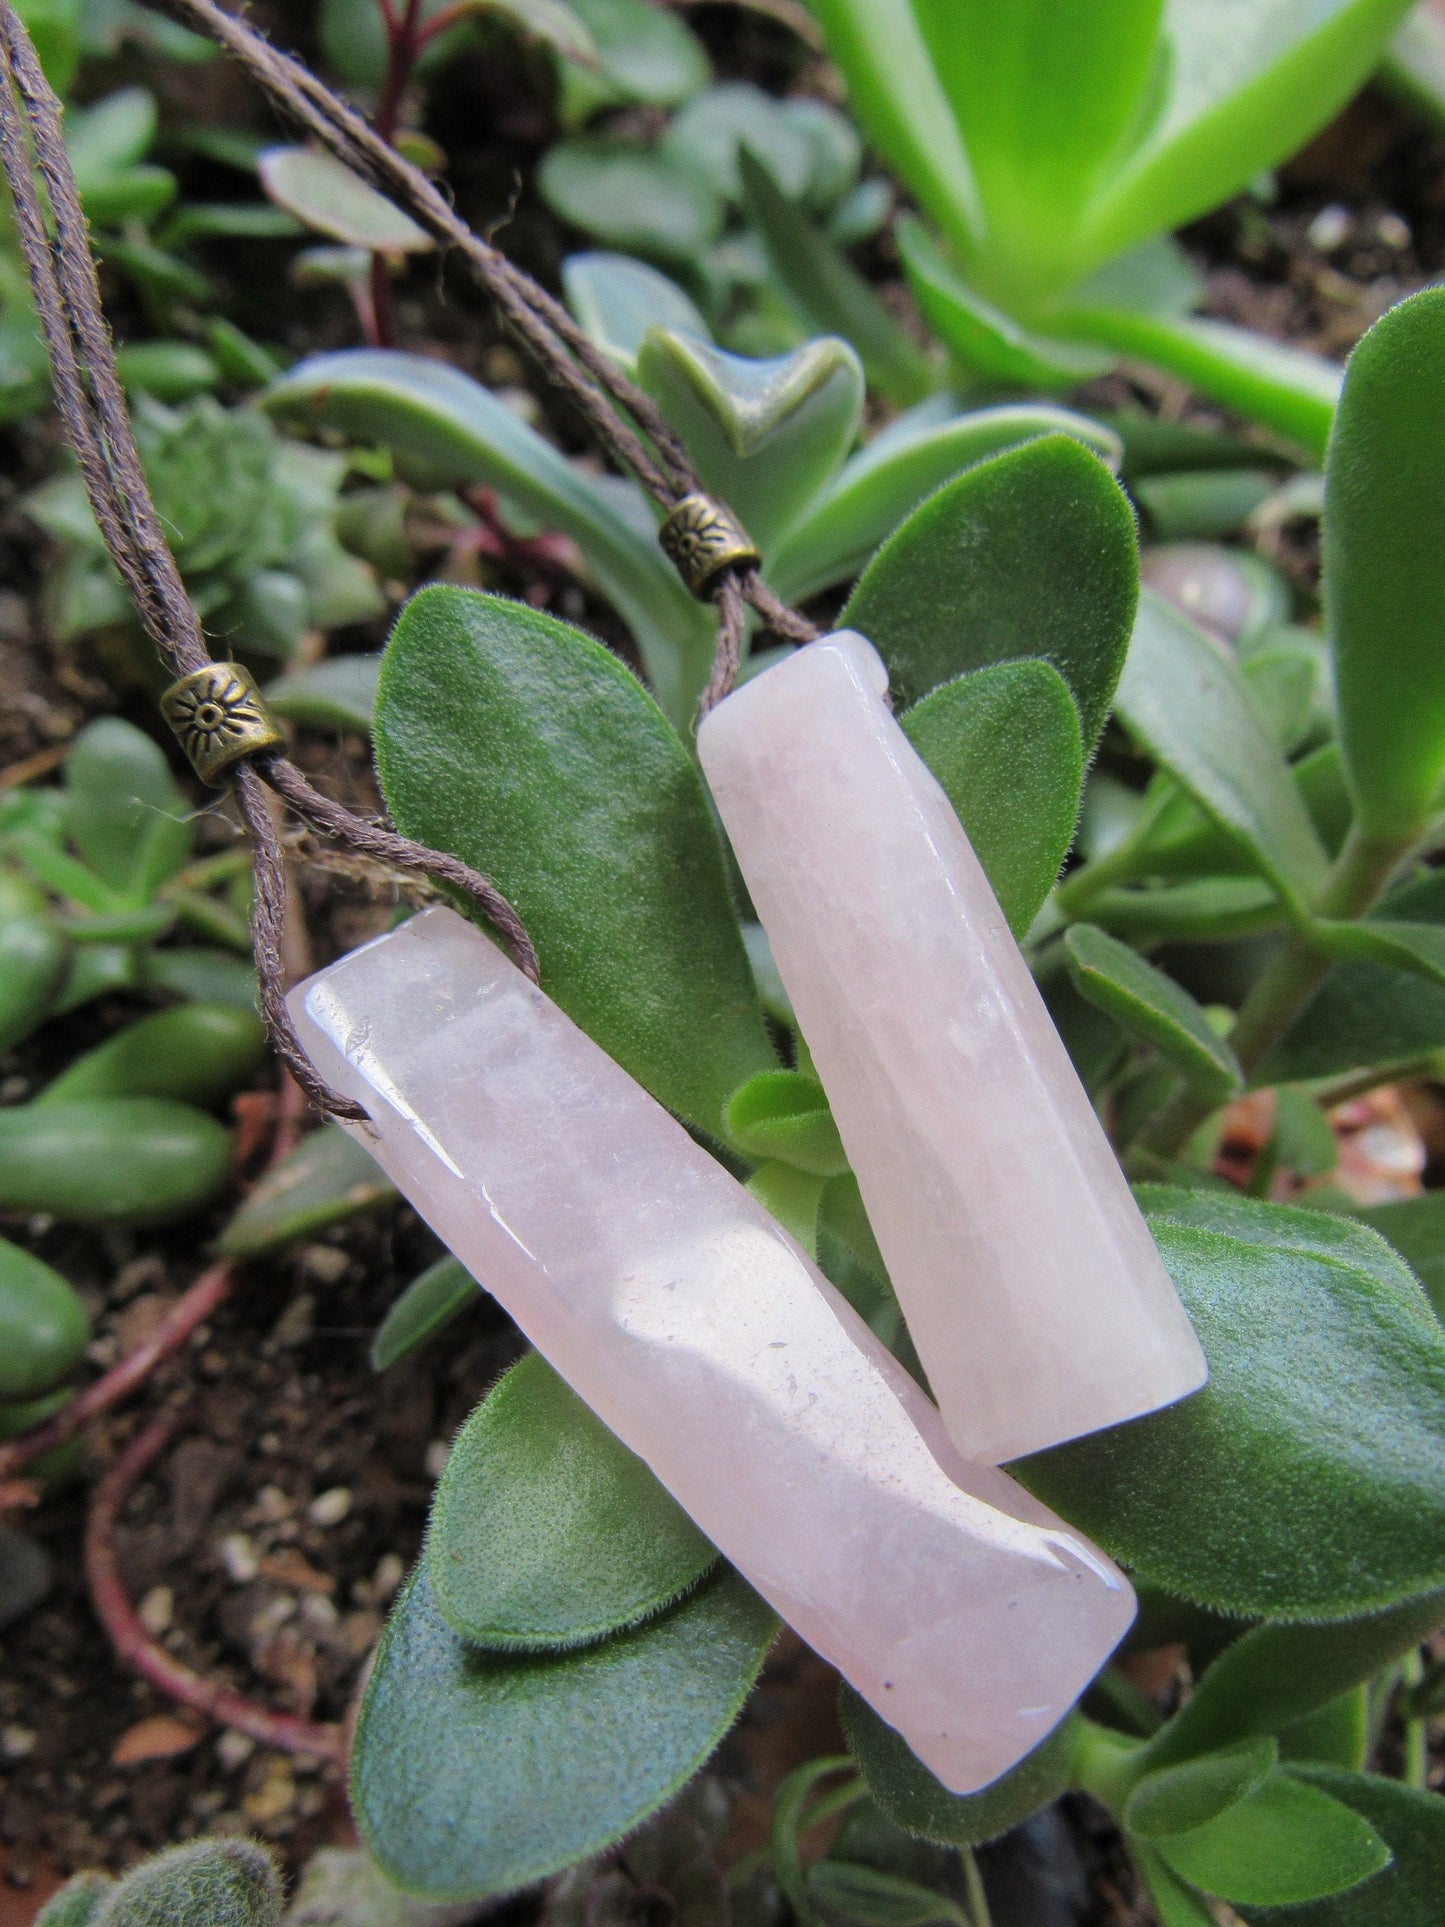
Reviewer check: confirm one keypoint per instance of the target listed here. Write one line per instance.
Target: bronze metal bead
(220, 716)
(701, 538)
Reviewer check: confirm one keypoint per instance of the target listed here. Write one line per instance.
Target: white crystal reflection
(961, 1609)
(1032, 1288)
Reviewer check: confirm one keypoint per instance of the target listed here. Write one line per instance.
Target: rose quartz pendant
(959, 1607)
(1032, 1288)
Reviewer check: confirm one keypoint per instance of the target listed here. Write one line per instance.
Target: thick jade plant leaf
(1153, 1008)
(477, 1773)
(908, 1793)
(828, 293)
(765, 435)
(323, 192)
(1385, 568)
(111, 1160)
(1183, 699)
(1004, 744)
(966, 581)
(44, 1327)
(328, 1178)
(522, 746)
(619, 300)
(434, 1299)
(546, 1532)
(1407, 1893)
(1307, 1479)
(448, 430)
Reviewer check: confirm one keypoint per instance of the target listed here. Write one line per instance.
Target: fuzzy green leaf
(1184, 701)
(1307, 1478)
(841, 528)
(328, 1178)
(1178, 1798)
(1415, 1227)
(476, 1773)
(1385, 570)
(765, 435)
(225, 1883)
(967, 582)
(527, 749)
(1407, 1893)
(1004, 744)
(877, 1899)
(1283, 1843)
(433, 1299)
(75, 1904)
(908, 1793)
(1152, 1007)
(546, 1532)
(785, 1115)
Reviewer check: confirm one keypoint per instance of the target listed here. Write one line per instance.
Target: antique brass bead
(701, 538)
(220, 716)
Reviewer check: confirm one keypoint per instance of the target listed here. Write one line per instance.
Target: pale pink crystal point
(959, 1607)
(1032, 1288)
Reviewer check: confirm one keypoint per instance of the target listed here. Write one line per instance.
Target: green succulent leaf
(1407, 1893)
(784, 1115)
(476, 1773)
(1385, 573)
(1175, 1902)
(839, 530)
(44, 1328)
(619, 300)
(328, 1178)
(1176, 1799)
(123, 810)
(765, 435)
(829, 294)
(1306, 1480)
(909, 1794)
(546, 1532)
(1152, 1007)
(876, 1898)
(326, 195)
(432, 1301)
(75, 1904)
(1274, 1676)
(196, 1054)
(447, 429)
(339, 694)
(635, 199)
(111, 1160)
(1004, 744)
(1283, 1843)
(983, 337)
(1182, 698)
(710, 133)
(1336, 1734)
(586, 810)
(1197, 506)
(34, 957)
(645, 53)
(794, 1197)
(966, 582)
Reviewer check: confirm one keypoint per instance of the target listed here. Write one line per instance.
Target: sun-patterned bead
(220, 716)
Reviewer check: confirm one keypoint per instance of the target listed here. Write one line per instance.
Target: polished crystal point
(959, 1607)
(1032, 1288)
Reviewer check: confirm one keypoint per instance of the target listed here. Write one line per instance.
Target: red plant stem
(193, 1308)
(133, 1645)
(404, 43)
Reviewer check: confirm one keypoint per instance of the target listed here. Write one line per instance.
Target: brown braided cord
(92, 407)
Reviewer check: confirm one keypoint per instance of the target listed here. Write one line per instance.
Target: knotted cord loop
(92, 407)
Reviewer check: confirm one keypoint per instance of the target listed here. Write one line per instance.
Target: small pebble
(16, 1742)
(240, 1558)
(437, 1454)
(273, 1797)
(233, 1749)
(1393, 232)
(1330, 228)
(272, 1616)
(318, 1611)
(386, 1580)
(156, 1611)
(329, 1508)
(271, 1505)
(325, 1263)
